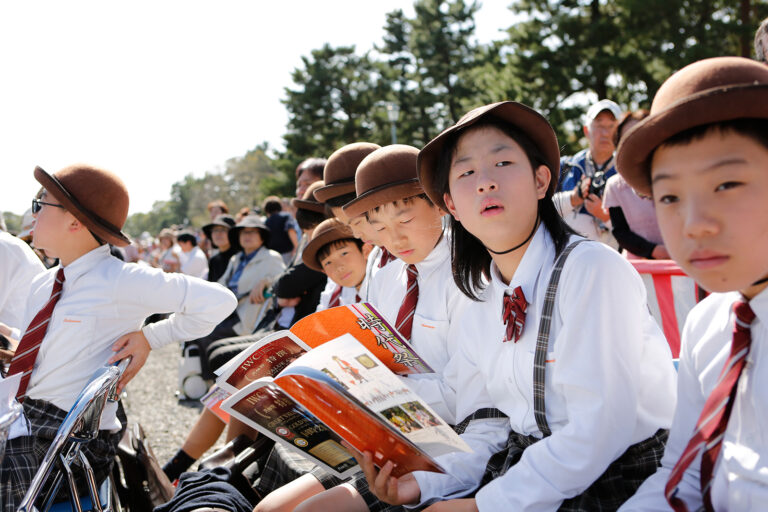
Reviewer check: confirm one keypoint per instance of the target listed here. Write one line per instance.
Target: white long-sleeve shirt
(610, 381)
(103, 299)
(18, 266)
(434, 332)
(741, 474)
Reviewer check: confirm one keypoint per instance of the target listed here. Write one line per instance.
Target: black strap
(480, 414)
(542, 341)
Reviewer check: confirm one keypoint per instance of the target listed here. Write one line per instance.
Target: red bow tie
(513, 314)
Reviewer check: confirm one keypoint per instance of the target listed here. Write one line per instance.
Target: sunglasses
(37, 205)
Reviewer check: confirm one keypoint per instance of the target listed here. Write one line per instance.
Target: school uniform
(102, 299)
(376, 261)
(434, 332)
(606, 374)
(339, 295)
(740, 478)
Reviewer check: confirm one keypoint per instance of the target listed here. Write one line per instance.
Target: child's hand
(395, 491)
(136, 346)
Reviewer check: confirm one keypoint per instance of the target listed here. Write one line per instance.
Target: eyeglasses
(37, 205)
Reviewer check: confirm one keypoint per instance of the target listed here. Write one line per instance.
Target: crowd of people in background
(502, 262)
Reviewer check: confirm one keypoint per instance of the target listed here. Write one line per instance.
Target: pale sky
(155, 90)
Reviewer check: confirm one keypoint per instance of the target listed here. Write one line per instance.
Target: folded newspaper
(333, 377)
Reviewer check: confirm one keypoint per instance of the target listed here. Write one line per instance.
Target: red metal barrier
(671, 294)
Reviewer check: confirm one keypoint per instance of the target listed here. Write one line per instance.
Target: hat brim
(521, 116)
(96, 225)
(382, 195)
(713, 106)
(327, 192)
(312, 206)
(309, 254)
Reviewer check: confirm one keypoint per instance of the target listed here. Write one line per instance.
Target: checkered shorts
(616, 485)
(23, 455)
(285, 465)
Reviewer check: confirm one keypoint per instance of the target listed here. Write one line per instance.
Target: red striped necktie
(24, 360)
(404, 323)
(513, 314)
(708, 437)
(386, 257)
(335, 297)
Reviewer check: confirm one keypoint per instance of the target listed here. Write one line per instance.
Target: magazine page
(346, 387)
(265, 407)
(369, 327)
(265, 358)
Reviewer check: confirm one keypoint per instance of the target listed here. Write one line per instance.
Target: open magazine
(332, 376)
(337, 391)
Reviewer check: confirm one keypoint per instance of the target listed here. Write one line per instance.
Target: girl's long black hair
(470, 260)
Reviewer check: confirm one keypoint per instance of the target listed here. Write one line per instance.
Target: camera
(596, 186)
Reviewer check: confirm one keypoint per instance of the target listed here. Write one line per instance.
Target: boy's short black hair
(187, 237)
(404, 200)
(308, 219)
(755, 129)
(325, 250)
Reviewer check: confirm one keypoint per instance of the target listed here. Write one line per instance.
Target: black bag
(141, 483)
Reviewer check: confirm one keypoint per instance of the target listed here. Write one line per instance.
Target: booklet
(341, 390)
(270, 355)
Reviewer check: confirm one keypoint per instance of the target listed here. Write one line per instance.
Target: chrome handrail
(79, 426)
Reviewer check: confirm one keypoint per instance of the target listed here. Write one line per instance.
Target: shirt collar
(759, 305)
(436, 258)
(540, 252)
(85, 263)
(249, 257)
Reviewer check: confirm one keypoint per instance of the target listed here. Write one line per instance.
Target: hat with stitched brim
(386, 175)
(516, 114)
(339, 172)
(326, 232)
(96, 197)
(705, 92)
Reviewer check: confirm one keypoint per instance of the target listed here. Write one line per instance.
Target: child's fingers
(382, 484)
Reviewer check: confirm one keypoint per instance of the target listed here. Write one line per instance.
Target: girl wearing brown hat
(587, 402)
(702, 155)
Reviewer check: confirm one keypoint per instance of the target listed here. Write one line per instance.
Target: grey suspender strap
(542, 341)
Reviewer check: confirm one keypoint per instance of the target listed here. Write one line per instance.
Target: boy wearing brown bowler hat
(703, 156)
(416, 293)
(88, 312)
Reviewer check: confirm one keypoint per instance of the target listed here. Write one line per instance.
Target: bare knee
(286, 498)
(342, 498)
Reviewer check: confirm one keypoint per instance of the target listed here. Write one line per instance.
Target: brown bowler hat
(386, 175)
(308, 201)
(339, 172)
(522, 117)
(326, 232)
(705, 92)
(96, 197)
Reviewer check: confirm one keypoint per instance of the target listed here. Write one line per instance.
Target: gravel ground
(150, 399)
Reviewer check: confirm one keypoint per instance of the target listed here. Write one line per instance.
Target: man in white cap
(583, 175)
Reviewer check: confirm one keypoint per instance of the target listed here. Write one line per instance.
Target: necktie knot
(513, 314)
(744, 314)
(386, 257)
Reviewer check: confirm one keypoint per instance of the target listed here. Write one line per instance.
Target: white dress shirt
(348, 295)
(371, 269)
(741, 474)
(103, 299)
(194, 263)
(18, 266)
(434, 332)
(610, 381)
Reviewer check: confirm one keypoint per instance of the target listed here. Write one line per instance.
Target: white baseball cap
(601, 105)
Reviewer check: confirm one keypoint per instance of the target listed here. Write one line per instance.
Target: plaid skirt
(615, 486)
(23, 455)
